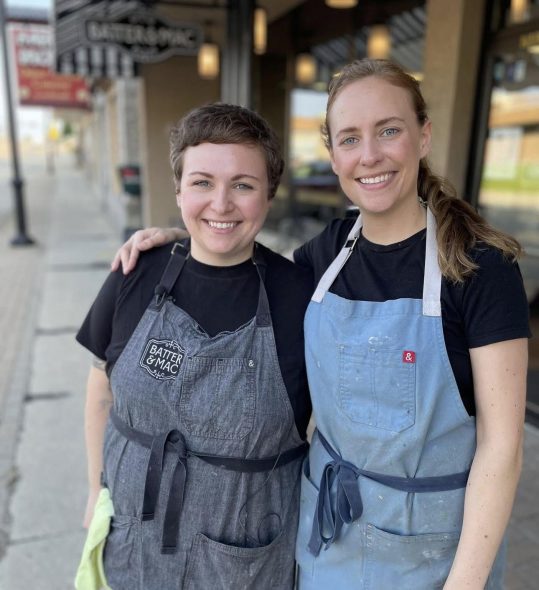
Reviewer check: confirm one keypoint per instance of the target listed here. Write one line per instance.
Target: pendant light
(379, 42)
(208, 61)
(208, 58)
(519, 11)
(341, 3)
(305, 69)
(260, 30)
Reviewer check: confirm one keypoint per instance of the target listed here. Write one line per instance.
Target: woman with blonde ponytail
(416, 354)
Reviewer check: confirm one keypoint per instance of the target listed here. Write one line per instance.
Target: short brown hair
(226, 123)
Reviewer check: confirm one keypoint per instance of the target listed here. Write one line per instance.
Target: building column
(128, 92)
(452, 53)
(128, 101)
(236, 85)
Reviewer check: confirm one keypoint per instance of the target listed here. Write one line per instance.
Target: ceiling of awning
(407, 30)
(332, 36)
(195, 10)
(97, 61)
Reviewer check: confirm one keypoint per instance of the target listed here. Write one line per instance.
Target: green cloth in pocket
(91, 574)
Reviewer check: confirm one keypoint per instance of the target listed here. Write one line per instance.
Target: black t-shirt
(489, 307)
(218, 299)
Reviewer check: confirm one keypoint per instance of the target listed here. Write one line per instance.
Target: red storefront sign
(38, 84)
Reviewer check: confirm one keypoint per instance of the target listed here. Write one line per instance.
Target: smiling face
(223, 197)
(376, 145)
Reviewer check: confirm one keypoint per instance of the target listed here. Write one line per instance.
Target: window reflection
(509, 195)
(521, 11)
(316, 186)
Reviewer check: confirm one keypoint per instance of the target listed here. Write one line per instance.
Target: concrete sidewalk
(44, 295)
(44, 409)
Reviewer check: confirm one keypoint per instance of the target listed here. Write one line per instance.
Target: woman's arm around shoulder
(144, 239)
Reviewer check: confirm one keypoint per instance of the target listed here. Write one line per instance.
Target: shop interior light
(260, 31)
(305, 69)
(341, 3)
(379, 42)
(519, 11)
(534, 49)
(208, 61)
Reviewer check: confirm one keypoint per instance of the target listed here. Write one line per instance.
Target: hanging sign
(109, 39)
(146, 36)
(38, 84)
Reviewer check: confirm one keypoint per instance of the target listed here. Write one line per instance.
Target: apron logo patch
(162, 358)
(408, 356)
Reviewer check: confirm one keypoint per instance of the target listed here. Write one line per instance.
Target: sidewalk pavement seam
(13, 413)
(45, 536)
(22, 272)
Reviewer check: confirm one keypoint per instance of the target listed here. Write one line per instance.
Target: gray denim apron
(201, 455)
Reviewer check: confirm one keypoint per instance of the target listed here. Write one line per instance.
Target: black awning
(107, 39)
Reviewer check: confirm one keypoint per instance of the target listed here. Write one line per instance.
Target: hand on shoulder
(143, 239)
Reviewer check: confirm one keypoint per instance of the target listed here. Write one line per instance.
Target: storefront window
(315, 189)
(521, 11)
(509, 194)
(316, 186)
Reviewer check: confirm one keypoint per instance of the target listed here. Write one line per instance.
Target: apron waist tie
(346, 505)
(173, 441)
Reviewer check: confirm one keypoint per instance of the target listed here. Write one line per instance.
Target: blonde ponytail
(459, 227)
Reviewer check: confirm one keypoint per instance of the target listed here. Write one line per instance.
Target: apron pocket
(377, 387)
(122, 553)
(221, 567)
(408, 562)
(218, 397)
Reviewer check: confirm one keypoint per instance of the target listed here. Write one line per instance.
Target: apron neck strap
(263, 316)
(335, 267)
(432, 281)
(178, 256)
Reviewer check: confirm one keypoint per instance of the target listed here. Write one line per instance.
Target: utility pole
(21, 238)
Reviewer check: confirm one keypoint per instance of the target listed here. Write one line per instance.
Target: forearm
(488, 502)
(98, 404)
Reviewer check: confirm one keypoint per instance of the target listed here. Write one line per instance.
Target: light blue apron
(383, 487)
